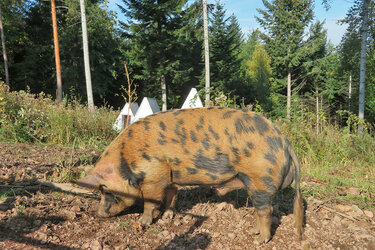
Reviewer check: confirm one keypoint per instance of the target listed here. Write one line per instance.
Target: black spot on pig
(146, 157)
(200, 123)
(269, 183)
(192, 170)
(177, 112)
(250, 145)
(133, 165)
(180, 132)
(176, 161)
(214, 134)
(246, 152)
(247, 117)
(244, 178)
(219, 164)
(193, 136)
(269, 156)
(135, 179)
(228, 114)
(260, 124)
(162, 126)
(274, 143)
(176, 174)
(270, 171)
(130, 133)
(242, 128)
(261, 199)
(206, 141)
(236, 154)
(146, 124)
(161, 142)
(212, 177)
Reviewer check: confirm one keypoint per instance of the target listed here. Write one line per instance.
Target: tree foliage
(163, 39)
(162, 43)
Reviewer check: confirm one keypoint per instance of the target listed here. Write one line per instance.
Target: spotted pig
(224, 148)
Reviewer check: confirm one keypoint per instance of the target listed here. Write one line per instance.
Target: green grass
(333, 161)
(124, 224)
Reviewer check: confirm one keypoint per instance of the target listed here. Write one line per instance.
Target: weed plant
(26, 117)
(333, 161)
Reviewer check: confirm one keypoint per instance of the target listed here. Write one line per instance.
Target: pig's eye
(110, 198)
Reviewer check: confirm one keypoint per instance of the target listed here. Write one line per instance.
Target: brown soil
(33, 216)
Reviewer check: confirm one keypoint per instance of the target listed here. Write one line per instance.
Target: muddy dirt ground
(35, 216)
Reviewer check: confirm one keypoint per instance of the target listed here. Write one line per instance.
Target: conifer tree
(161, 40)
(226, 41)
(284, 23)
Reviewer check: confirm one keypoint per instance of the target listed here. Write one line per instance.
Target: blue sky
(245, 11)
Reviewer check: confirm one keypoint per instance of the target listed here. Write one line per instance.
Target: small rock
(177, 223)
(357, 210)
(343, 208)
(231, 236)
(353, 191)
(95, 245)
(215, 234)
(86, 245)
(187, 218)
(75, 209)
(165, 233)
(337, 220)
(368, 213)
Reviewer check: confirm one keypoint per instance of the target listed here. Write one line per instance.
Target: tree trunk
(90, 100)
(350, 90)
(163, 93)
(362, 76)
(57, 52)
(289, 94)
(206, 54)
(4, 50)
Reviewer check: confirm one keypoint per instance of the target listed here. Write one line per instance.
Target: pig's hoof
(168, 215)
(262, 239)
(155, 213)
(145, 220)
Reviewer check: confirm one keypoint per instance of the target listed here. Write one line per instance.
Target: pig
(223, 148)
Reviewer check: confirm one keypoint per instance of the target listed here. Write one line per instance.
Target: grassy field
(337, 165)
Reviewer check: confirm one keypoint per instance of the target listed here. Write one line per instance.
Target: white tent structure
(192, 100)
(148, 107)
(121, 119)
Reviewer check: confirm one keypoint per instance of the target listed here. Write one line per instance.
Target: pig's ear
(91, 181)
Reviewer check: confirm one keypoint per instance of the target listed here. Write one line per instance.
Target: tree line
(287, 68)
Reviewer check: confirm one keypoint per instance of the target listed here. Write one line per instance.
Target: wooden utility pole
(90, 100)
(4, 50)
(206, 53)
(57, 52)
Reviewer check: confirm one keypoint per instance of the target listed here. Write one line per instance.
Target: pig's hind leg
(170, 193)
